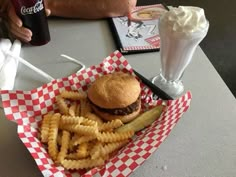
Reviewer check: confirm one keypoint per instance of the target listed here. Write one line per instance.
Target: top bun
(115, 90)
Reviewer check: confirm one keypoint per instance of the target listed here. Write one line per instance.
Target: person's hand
(16, 27)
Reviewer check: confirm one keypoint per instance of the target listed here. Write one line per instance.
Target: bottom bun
(123, 118)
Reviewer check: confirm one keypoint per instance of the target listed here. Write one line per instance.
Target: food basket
(26, 108)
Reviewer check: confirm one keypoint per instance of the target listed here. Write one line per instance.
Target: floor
(219, 44)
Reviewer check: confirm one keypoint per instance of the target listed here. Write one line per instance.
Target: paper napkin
(8, 64)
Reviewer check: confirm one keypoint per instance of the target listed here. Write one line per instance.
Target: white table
(201, 145)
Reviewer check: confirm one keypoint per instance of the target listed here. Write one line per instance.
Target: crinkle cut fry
(72, 156)
(95, 151)
(77, 111)
(107, 137)
(73, 95)
(77, 120)
(111, 125)
(94, 117)
(73, 142)
(45, 127)
(63, 108)
(88, 122)
(72, 109)
(111, 147)
(71, 119)
(52, 138)
(84, 139)
(85, 107)
(81, 129)
(100, 150)
(86, 130)
(68, 127)
(82, 164)
(82, 151)
(64, 146)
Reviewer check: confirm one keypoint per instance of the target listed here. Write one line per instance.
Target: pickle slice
(143, 120)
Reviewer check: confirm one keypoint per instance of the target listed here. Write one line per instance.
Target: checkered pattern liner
(27, 107)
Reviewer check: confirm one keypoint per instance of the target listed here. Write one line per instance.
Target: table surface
(201, 145)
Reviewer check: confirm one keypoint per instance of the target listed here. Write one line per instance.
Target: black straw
(156, 90)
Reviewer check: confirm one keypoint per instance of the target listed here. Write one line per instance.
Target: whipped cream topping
(185, 19)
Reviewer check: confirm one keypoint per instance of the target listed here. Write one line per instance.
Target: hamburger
(115, 96)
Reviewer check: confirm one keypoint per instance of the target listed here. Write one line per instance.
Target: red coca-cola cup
(33, 16)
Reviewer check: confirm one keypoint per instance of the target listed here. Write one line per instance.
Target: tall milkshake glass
(181, 30)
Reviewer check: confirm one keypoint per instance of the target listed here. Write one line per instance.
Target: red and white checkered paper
(27, 107)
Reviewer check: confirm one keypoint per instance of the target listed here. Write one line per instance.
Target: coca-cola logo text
(32, 10)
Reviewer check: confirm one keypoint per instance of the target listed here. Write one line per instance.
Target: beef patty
(120, 111)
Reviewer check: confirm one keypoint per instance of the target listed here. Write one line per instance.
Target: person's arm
(86, 9)
(89, 9)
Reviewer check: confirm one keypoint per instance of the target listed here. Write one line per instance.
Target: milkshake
(181, 30)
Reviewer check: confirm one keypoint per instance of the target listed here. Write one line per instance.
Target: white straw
(39, 71)
(74, 60)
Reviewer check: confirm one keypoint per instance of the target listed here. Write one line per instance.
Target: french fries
(79, 139)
